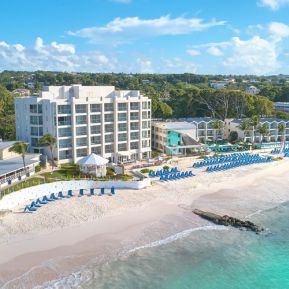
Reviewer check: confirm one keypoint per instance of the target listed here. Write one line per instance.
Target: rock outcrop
(229, 221)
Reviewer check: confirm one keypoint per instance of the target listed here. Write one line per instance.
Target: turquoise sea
(206, 258)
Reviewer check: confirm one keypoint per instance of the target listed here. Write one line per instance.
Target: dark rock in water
(229, 221)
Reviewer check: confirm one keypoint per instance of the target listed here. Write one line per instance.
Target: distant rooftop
(175, 125)
(197, 119)
(263, 119)
(6, 144)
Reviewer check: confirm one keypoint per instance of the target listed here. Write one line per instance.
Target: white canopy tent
(93, 165)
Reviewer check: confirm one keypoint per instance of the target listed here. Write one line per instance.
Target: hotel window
(108, 149)
(149, 104)
(108, 117)
(122, 116)
(108, 107)
(144, 105)
(95, 108)
(109, 128)
(95, 140)
(81, 142)
(145, 143)
(65, 143)
(37, 120)
(95, 129)
(40, 131)
(122, 106)
(122, 137)
(34, 131)
(64, 120)
(134, 105)
(134, 125)
(145, 124)
(81, 119)
(122, 147)
(63, 155)
(122, 127)
(95, 118)
(81, 153)
(80, 108)
(134, 145)
(145, 133)
(64, 109)
(34, 142)
(39, 108)
(81, 130)
(109, 138)
(62, 132)
(33, 108)
(134, 116)
(134, 135)
(96, 150)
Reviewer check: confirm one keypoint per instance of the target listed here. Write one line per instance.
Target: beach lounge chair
(45, 199)
(69, 194)
(60, 195)
(112, 190)
(29, 209)
(102, 191)
(81, 192)
(53, 197)
(39, 202)
(91, 192)
(34, 205)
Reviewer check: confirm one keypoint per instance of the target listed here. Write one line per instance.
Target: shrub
(110, 172)
(145, 171)
(37, 169)
(166, 168)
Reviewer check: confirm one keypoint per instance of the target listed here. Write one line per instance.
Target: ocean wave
(178, 236)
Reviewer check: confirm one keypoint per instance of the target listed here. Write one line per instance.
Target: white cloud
(144, 65)
(122, 30)
(256, 55)
(214, 51)
(278, 30)
(52, 56)
(273, 4)
(193, 52)
(177, 65)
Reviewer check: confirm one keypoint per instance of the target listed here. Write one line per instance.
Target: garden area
(66, 172)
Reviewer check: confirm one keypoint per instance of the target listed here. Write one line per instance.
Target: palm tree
(263, 130)
(245, 126)
(281, 129)
(20, 148)
(217, 126)
(254, 122)
(48, 140)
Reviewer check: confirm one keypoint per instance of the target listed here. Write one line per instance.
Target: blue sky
(146, 36)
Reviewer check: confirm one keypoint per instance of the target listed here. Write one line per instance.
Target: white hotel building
(87, 119)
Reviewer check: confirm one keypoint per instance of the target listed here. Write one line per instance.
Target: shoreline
(130, 219)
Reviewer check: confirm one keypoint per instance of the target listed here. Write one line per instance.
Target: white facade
(252, 90)
(252, 135)
(85, 120)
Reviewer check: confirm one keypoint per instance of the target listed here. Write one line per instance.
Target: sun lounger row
(177, 176)
(45, 200)
(277, 151)
(227, 155)
(163, 172)
(238, 164)
(225, 159)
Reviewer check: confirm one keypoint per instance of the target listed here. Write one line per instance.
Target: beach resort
(91, 201)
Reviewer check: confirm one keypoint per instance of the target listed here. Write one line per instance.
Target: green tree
(217, 126)
(20, 148)
(263, 130)
(48, 140)
(245, 126)
(254, 122)
(281, 129)
(165, 110)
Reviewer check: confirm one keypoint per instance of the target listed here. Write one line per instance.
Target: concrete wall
(26, 195)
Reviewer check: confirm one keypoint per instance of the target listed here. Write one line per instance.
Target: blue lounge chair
(81, 193)
(60, 195)
(102, 191)
(112, 190)
(29, 209)
(91, 192)
(45, 199)
(69, 194)
(53, 197)
(39, 202)
(34, 205)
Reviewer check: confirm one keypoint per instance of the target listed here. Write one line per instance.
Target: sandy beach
(65, 235)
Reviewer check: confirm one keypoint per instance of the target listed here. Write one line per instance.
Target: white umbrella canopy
(93, 160)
